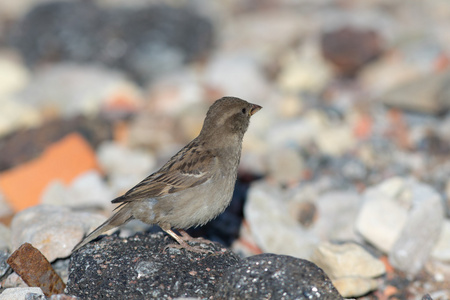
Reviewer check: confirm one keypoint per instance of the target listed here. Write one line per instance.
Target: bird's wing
(191, 166)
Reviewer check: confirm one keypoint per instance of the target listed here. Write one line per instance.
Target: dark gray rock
(145, 41)
(270, 276)
(138, 268)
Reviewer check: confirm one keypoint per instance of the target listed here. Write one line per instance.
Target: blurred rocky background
(347, 164)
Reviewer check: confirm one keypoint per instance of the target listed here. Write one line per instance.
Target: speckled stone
(271, 276)
(53, 230)
(21, 293)
(138, 268)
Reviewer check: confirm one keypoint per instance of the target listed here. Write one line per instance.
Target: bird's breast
(196, 206)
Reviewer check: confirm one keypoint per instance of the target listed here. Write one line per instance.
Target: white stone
(354, 286)
(173, 93)
(20, 293)
(229, 72)
(73, 89)
(335, 139)
(441, 250)
(347, 260)
(304, 70)
(285, 165)
(15, 115)
(335, 212)
(380, 220)
(294, 132)
(403, 218)
(5, 237)
(421, 231)
(53, 230)
(13, 74)
(126, 167)
(86, 190)
(272, 227)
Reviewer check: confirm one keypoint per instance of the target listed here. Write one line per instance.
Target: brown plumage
(196, 184)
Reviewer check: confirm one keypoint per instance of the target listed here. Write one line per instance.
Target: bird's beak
(255, 108)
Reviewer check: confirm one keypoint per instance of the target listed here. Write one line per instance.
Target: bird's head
(229, 116)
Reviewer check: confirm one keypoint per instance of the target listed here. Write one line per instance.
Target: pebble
(373, 223)
(412, 227)
(15, 115)
(5, 237)
(21, 293)
(350, 48)
(294, 133)
(286, 166)
(355, 286)
(246, 30)
(175, 92)
(125, 167)
(304, 70)
(421, 231)
(347, 260)
(14, 75)
(53, 230)
(68, 89)
(335, 209)
(246, 70)
(427, 94)
(13, 281)
(283, 234)
(441, 250)
(4, 266)
(335, 140)
(87, 190)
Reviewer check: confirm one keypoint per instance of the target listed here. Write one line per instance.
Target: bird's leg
(176, 237)
(182, 244)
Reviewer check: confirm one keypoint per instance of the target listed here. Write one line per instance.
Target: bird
(195, 185)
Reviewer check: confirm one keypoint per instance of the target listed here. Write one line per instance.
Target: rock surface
(271, 276)
(137, 268)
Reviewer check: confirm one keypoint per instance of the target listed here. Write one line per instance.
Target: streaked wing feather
(190, 167)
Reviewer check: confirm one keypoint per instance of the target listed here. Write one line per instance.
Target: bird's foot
(183, 242)
(187, 238)
(187, 247)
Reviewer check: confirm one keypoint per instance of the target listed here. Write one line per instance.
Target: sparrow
(196, 184)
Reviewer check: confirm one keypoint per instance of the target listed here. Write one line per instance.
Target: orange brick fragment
(363, 127)
(390, 291)
(389, 268)
(23, 185)
(121, 132)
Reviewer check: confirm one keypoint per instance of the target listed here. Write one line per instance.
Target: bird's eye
(244, 111)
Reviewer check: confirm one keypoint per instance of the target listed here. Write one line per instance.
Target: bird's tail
(119, 218)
